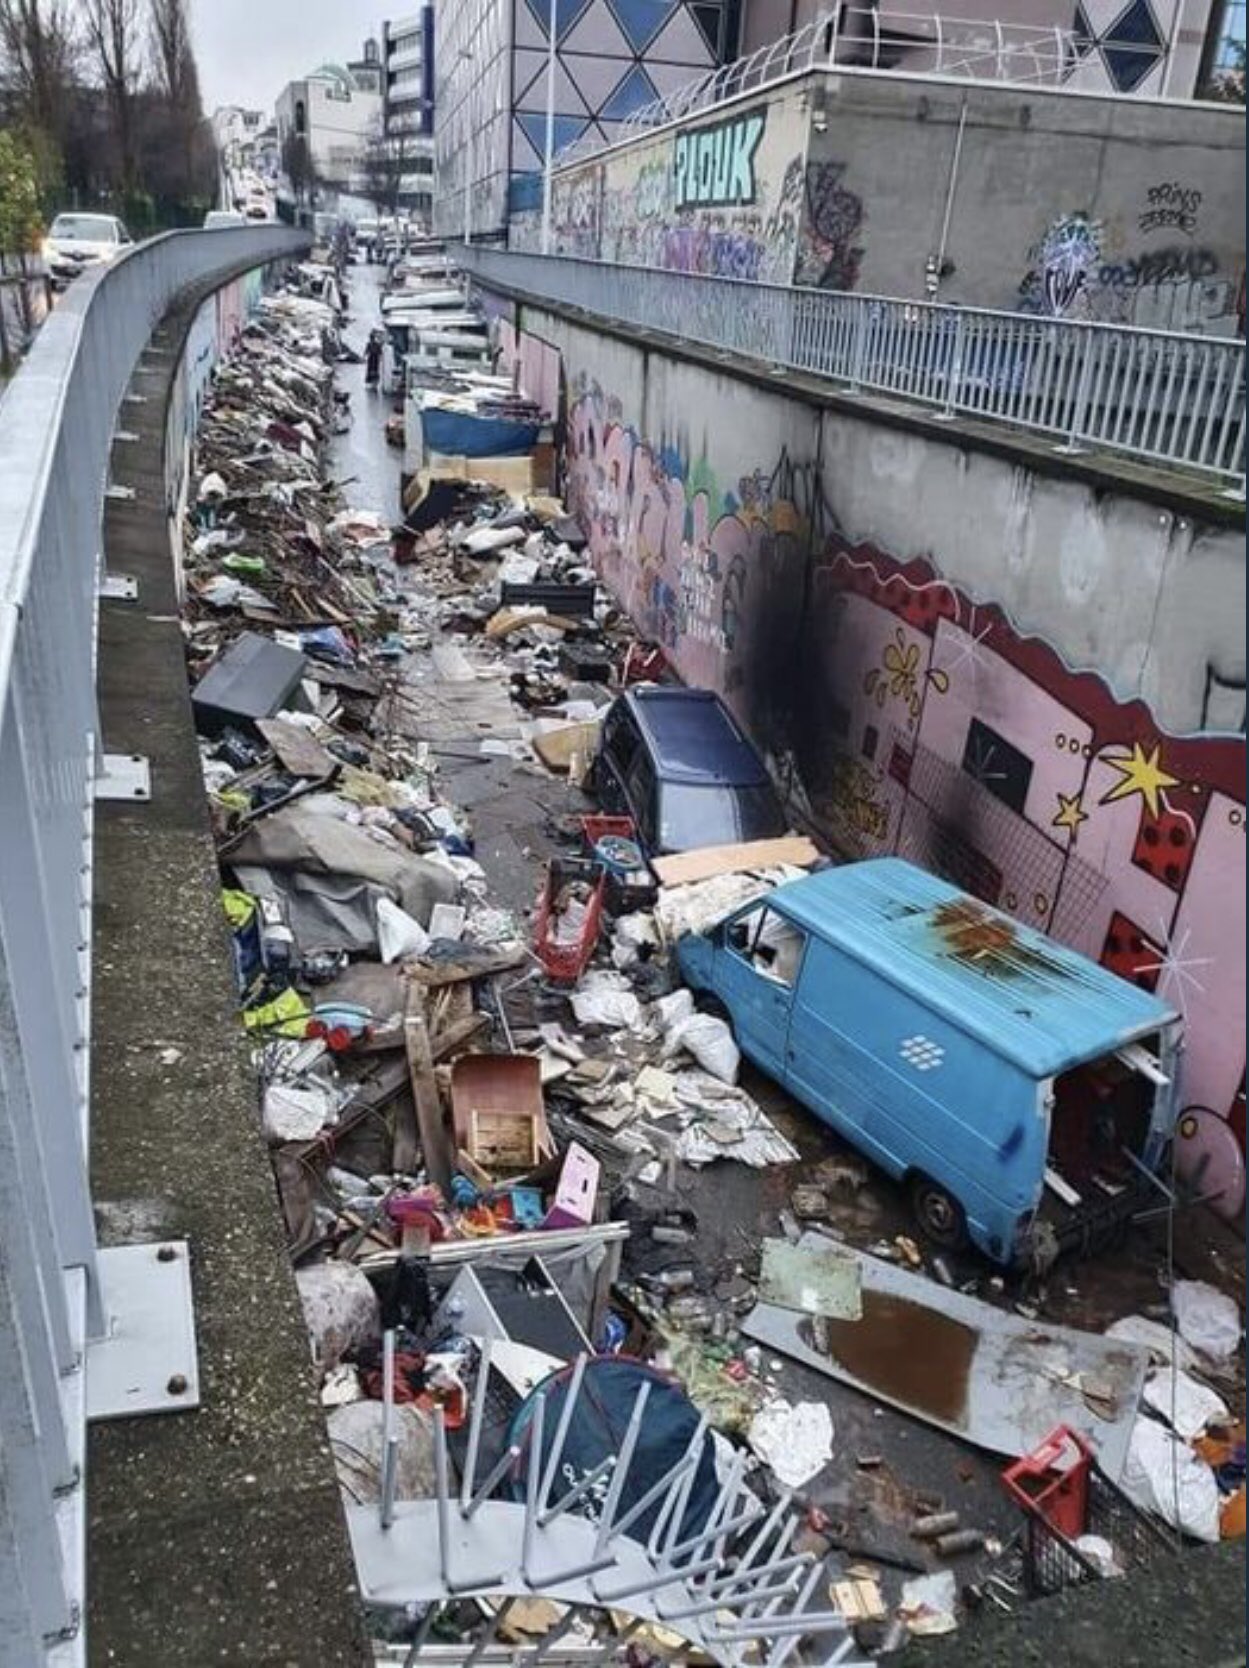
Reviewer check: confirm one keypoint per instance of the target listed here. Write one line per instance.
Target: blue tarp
(460, 434)
(598, 1427)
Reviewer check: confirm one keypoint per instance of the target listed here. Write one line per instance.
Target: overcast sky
(248, 50)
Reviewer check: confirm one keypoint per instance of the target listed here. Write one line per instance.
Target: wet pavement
(887, 1468)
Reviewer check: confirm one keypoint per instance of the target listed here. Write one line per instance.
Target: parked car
(988, 1068)
(75, 241)
(223, 217)
(677, 762)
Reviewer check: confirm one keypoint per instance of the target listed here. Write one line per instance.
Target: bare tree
(172, 56)
(179, 115)
(388, 160)
(113, 37)
(297, 165)
(39, 43)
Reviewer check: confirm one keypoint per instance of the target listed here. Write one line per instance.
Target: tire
(938, 1213)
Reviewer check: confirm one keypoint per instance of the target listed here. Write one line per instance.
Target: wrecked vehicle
(676, 761)
(972, 1058)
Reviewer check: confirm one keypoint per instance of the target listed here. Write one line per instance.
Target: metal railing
(1170, 399)
(57, 423)
(876, 38)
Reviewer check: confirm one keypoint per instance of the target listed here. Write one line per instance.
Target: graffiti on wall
(939, 733)
(1170, 206)
(714, 166)
(711, 570)
(723, 200)
(828, 255)
(921, 722)
(1074, 271)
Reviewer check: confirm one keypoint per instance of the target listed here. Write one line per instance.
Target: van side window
(770, 943)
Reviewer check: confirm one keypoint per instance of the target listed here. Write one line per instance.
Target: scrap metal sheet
(992, 1378)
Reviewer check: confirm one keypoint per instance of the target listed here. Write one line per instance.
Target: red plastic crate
(1053, 1480)
(567, 962)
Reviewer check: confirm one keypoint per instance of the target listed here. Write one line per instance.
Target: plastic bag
(398, 933)
(710, 1040)
(1186, 1405)
(1164, 1476)
(1207, 1318)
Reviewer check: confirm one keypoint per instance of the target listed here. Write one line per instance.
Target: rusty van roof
(1031, 1000)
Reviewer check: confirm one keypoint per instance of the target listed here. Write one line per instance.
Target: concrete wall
(1119, 210)
(720, 196)
(1112, 209)
(1043, 699)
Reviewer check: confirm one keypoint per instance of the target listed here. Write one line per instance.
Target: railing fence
(57, 423)
(1159, 396)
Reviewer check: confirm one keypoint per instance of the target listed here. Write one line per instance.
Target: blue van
(971, 1057)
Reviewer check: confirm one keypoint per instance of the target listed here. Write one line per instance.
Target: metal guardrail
(875, 38)
(1169, 399)
(58, 418)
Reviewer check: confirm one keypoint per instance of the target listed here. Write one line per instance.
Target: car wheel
(938, 1213)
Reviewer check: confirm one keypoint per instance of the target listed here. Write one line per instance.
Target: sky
(247, 50)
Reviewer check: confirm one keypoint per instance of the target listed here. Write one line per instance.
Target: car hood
(80, 250)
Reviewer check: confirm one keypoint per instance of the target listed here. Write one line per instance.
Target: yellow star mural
(1140, 774)
(1069, 813)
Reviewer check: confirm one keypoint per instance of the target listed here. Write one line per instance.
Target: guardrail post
(954, 375)
(858, 347)
(1079, 406)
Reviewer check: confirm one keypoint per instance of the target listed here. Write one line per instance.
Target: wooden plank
(435, 1144)
(686, 867)
(477, 964)
(456, 1035)
(557, 748)
(297, 749)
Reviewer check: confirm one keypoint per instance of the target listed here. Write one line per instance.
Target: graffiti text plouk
(716, 165)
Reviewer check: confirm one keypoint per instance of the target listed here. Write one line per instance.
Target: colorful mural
(945, 736)
(723, 199)
(919, 721)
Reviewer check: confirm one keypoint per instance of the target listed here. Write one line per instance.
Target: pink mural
(922, 723)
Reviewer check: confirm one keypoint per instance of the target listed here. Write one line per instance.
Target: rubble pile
(464, 1098)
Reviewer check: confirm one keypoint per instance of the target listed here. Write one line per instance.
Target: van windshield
(698, 814)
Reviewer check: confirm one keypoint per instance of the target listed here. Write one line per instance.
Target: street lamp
(549, 147)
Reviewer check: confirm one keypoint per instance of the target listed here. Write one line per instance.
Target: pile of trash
(466, 1102)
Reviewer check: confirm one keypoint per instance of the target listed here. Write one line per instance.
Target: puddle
(903, 1351)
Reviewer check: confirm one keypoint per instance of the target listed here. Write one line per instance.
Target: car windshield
(90, 228)
(694, 815)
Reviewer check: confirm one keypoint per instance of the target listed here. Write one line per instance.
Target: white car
(75, 241)
(223, 217)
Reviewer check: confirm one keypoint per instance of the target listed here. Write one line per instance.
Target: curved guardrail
(1154, 395)
(58, 418)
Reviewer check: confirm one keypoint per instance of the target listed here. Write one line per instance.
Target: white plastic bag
(710, 1040)
(796, 1442)
(1186, 1405)
(1207, 1318)
(1164, 1476)
(398, 933)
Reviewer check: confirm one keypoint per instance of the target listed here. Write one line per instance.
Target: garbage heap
(479, 1112)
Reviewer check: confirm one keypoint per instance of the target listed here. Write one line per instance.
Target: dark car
(676, 761)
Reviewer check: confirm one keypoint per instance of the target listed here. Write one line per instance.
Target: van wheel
(938, 1213)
